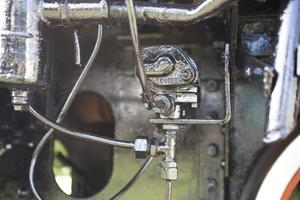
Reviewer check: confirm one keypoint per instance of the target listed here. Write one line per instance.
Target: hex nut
(20, 100)
(141, 147)
(164, 104)
(169, 173)
(169, 170)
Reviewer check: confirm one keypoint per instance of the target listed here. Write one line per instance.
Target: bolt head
(211, 184)
(20, 107)
(141, 147)
(212, 150)
(211, 85)
(163, 104)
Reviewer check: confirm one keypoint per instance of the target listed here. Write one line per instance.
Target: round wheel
(284, 175)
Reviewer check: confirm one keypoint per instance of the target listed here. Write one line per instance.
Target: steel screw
(211, 184)
(211, 85)
(212, 150)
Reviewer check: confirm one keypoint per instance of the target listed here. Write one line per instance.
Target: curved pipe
(82, 135)
(146, 12)
(169, 14)
(134, 179)
(62, 113)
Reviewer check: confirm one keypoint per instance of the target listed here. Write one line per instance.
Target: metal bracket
(227, 117)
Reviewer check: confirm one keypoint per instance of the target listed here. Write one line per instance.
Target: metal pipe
(134, 179)
(168, 190)
(137, 49)
(63, 112)
(169, 14)
(283, 103)
(82, 135)
(73, 13)
(146, 12)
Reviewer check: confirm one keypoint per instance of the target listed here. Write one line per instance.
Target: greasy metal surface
(73, 13)
(167, 14)
(176, 84)
(283, 106)
(123, 93)
(201, 174)
(21, 58)
(146, 12)
(257, 35)
(227, 97)
(180, 63)
(250, 106)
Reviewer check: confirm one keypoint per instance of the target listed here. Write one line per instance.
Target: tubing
(65, 108)
(137, 49)
(134, 179)
(81, 135)
(168, 190)
(146, 12)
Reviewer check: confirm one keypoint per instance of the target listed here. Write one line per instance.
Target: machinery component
(73, 13)
(191, 98)
(134, 178)
(172, 77)
(20, 99)
(22, 61)
(77, 48)
(136, 44)
(168, 67)
(279, 179)
(67, 13)
(141, 147)
(169, 171)
(164, 104)
(283, 103)
(63, 112)
(168, 190)
(268, 80)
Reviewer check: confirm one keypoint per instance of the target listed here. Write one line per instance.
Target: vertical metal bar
(137, 50)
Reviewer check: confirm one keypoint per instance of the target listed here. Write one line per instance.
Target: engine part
(172, 77)
(278, 179)
(68, 13)
(283, 106)
(22, 61)
(136, 44)
(211, 164)
(20, 100)
(63, 112)
(183, 74)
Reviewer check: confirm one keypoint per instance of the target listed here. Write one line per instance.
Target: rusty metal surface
(200, 172)
(213, 161)
(21, 55)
